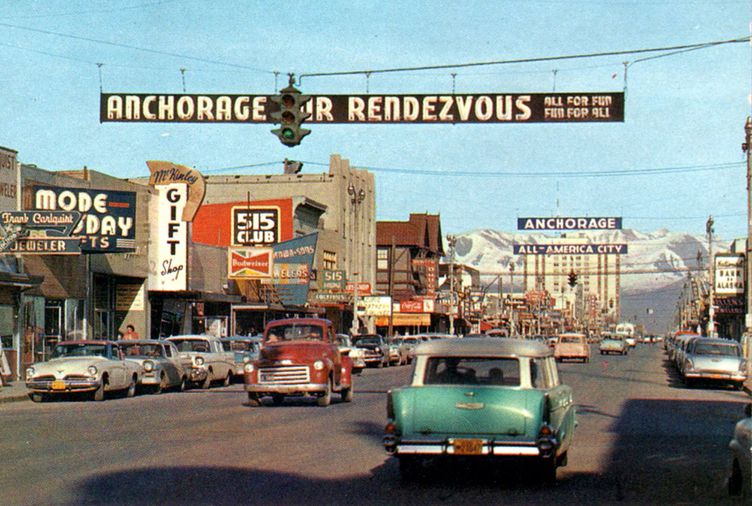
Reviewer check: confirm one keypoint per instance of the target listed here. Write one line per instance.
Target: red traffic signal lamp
(290, 115)
(572, 279)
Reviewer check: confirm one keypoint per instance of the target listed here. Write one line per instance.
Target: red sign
(363, 288)
(411, 306)
(250, 263)
(243, 223)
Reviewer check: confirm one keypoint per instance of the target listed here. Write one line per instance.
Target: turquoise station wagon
(481, 398)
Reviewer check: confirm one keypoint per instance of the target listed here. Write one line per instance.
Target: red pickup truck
(299, 356)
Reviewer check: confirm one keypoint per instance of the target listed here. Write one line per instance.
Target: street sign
(371, 109)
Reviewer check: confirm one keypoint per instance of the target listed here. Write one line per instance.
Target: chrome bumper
(445, 447)
(723, 376)
(305, 388)
(150, 379)
(74, 385)
(198, 374)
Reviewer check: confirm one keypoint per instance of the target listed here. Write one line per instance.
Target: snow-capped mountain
(654, 260)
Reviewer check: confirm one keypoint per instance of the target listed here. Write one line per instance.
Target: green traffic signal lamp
(290, 116)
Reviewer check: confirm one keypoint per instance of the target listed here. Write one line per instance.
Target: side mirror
(748, 410)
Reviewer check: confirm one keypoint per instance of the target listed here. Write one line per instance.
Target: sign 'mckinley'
(449, 108)
(562, 223)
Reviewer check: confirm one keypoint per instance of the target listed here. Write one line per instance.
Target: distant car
(613, 343)
(481, 398)
(398, 352)
(244, 349)
(92, 366)
(740, 479)
(160, 361)
(209, 361)
(716, 360)
(375, 349)
(410, 342)
(357, 355)
(572, 346)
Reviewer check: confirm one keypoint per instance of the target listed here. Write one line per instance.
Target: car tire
(131, 390)
(38, 397)
(181, 386)
(158, 389)
(278, 399)
(228, 379)
(99, 392)
(326, 398)
(254, 400)
(346, 394)
(547, 471)
(206, 384)
(380, 365)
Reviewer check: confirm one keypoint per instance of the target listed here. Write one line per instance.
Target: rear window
(570, 339)
(727, 350)
(472, 371)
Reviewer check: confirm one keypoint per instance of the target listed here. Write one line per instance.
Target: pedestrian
(4, 366)
(130, 332)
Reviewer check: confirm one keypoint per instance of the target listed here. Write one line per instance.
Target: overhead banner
(729, 274)
(108, 217)
(577, 223)
(570, 249)
(436, 108)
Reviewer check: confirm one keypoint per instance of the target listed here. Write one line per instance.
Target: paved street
(642, 439)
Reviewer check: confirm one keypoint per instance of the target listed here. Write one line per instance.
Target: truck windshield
(294, 332)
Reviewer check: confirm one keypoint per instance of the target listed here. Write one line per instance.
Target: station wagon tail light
(148, 366)
(318, 365)
(545, 430)
(199, 360)
(391, 428)
(92, 370)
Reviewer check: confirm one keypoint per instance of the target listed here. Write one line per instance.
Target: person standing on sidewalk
(4, 366)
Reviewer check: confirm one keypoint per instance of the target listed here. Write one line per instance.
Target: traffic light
(572, 279)
(290, 115)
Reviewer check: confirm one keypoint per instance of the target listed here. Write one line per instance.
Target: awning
(20, 280)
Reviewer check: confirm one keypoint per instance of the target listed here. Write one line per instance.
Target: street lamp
(357, 196)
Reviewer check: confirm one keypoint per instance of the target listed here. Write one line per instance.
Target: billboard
(375, 109)
(249, 263)
(256, 226)
(293, 262)
(729, 274)
(570, 249)
(108, 217)
(256, 223)
(576, 223)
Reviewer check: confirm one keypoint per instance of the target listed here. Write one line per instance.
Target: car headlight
(199, 360)
(377, 349)
(30, 372)
(249, 367)
(148, 366)
(318, 365)
(92, 370)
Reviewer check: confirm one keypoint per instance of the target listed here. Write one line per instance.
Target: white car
(96, 367)
(209, 362)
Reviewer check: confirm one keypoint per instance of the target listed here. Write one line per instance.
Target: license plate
(58, 385)
(468, 446)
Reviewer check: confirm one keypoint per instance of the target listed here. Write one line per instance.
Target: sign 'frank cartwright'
(448, 108)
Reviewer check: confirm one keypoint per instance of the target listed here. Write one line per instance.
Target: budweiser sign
(249, 263)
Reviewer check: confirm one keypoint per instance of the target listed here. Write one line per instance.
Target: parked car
(481, 398)
(572, 346)
(397, 352)
(357, 355)
(209, 361)
(613, 343)
(160, 361)
(92, 366)
(244, 349)
(680, 348)
(740, 479)
(299, 356)
(375, 349)
(716, 360)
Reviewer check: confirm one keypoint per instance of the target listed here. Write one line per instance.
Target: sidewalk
(16, 391)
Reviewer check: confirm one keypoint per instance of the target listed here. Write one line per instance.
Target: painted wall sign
(215, 224)
(436, 108)
(108, 217)
(729, 274)
(559, 223)
(250, 263)
(570, 249)
(165, 173)
(332, 280)
(8, 180)
(169, 261)
(255, 225)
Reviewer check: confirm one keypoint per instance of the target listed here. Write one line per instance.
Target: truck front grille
(288, 375)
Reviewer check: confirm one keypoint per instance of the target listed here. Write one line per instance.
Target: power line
(685, 47)
(97, 11)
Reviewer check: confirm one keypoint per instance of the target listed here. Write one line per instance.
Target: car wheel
(346, 394)
(131, 391)
(158, 388)
(228, 379)
(254, 400)
(278, 399)
(380, 364)
(181, 386)
(207, 382)
(99, 392)
(38, 397)
(326, 397)
(548, 471)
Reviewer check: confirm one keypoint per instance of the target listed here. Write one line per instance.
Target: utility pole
(512, 324)
(392, 249)
(355, 327)
(450, 240)
(711, 277)
(746, 147)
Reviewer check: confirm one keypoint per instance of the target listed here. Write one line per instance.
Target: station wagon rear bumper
(722, 376)
(446, 447)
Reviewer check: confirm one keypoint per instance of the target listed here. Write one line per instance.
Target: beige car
(205, 359)
(573, 347)
(95, 367)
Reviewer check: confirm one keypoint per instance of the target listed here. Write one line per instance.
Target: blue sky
(686, 110)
